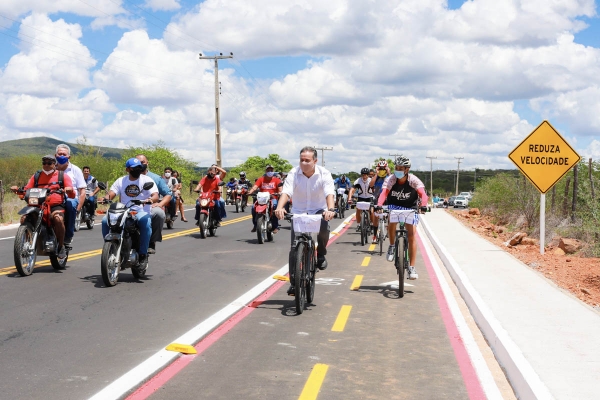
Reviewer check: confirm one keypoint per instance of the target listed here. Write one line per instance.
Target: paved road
(66, 336)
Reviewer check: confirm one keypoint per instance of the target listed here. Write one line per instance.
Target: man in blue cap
(131, 187)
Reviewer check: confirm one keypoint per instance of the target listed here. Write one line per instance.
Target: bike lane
(357, 340)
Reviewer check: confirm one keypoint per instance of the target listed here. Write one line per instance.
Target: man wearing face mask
(383, 171)
(402, 192)
(209, 183)
(157, 212)
(311, 186)
(365, 193)
(73, 206)
(267, 183)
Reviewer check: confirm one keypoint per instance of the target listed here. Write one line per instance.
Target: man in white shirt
(63, 154)
(313, 191)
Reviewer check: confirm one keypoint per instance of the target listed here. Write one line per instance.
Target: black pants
(322, 239)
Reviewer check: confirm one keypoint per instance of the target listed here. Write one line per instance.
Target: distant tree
(255, 166)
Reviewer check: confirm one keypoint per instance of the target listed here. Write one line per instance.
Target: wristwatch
(331, 209)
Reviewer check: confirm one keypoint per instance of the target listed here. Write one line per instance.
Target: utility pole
(475, 179)
(322, 153)
(217, 115)
(458, 173)
(431, 174)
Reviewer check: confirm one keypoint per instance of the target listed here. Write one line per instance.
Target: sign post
(544, 157)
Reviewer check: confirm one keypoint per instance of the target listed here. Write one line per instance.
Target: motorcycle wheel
(238, 203)
(260, 234)
(110, 263)
(57, 263)
(244, 204)
(77, 221)
(269, 232)
(90, 223)
(202, 225)
(24, 262)
(169, 224)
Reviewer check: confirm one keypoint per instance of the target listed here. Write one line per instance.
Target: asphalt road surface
(63, 335)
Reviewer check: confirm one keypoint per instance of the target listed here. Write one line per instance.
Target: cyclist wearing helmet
(402, 191)
(342, 182)
(383, 171)
(365, 193)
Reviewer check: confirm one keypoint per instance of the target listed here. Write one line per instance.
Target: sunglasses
(47, 162)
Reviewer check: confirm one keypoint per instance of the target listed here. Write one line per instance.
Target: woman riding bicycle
(402, 191)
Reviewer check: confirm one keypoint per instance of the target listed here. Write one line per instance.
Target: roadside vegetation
(572, 205)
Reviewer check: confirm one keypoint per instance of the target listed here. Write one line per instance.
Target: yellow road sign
(544, 157)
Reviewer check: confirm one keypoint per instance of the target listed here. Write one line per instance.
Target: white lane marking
(481, 369)
(134, 377)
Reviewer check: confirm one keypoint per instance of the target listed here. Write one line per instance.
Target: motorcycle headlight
(114, 218)
(239, 191)
(203, 202)
(33, 201)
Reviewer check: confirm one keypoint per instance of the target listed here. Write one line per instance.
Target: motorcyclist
(130, 187)
(383, 172)
(267, 183)
(244, 181)
(157, 212)
(73, 206)
(48, 178)
(209, 183)
(231, 186)
(91, 190)
(172, 184)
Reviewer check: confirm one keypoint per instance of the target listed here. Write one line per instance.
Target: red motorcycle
(207, 221)
(240, 197)
(263, 207)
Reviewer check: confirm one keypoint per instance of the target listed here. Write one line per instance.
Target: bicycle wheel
(342, 208)
(362, 229)
(300, 278)
(366, 226)
(310, 291)
(381, 235)
(400, 261)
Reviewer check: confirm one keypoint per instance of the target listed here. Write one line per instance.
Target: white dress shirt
(309, 194)
(76, 176)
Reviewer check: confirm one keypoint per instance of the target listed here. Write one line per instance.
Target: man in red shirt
(48, 179)
(271, 184)
(210, 182)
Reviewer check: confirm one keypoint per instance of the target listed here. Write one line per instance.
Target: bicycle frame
(401, 256)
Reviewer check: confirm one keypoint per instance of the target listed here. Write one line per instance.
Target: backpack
(61, 175)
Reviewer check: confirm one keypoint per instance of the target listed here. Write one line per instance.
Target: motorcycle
(207, 221)
(240, 197)
(170, 214)
(263, 207)
(87, 214)
(229, 196)
(35, 235)
(122, 243)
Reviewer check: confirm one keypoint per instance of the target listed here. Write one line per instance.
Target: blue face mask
(270, 174)
(399, 174)
(62, 159)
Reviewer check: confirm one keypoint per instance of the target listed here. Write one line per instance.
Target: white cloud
(90, 8)
(163, 5)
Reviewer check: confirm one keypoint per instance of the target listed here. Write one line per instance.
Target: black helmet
(364, 171)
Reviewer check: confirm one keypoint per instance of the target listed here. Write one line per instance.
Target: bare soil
(579, 275)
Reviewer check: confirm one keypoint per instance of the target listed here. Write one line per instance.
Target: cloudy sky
(440, 78)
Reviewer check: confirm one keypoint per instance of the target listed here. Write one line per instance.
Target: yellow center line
(366, 262)
(92, 253)
(356, 283)
(372, 247)
(342, 318)
(314, 382)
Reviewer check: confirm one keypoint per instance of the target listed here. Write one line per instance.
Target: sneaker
(358, 228)
(152, 248)
(291, 291)
(143, 264)
(374, 239)
(197, 223)
(62, 253)
(68, 241)
(321, 263)
(412, 273)
(390, 253)
(253, 229)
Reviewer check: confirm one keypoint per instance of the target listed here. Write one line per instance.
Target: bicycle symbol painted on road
(329, 281)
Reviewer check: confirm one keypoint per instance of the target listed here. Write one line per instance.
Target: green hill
(45, 145)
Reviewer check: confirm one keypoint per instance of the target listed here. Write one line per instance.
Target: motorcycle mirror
(280, 185)
(102, 185)
(221, 183)
(148, 185)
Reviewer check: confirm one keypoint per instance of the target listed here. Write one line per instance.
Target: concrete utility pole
(431, 174)
(217, 115)
(322, 154)
(458, 173)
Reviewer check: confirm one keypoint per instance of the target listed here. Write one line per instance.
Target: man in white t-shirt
(311, 186)
(130, 187)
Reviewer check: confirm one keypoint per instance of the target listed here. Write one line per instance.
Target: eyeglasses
(47, 162)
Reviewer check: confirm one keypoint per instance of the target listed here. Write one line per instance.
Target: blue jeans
(274, 219)
(70, 212)
(219, 206)
(144, 223)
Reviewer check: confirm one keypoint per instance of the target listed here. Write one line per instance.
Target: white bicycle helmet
(382, 164)
(402, 161)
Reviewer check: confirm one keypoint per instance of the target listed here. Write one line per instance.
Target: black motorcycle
(87, 213)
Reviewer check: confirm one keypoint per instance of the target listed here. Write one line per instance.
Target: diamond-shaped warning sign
(544, 157)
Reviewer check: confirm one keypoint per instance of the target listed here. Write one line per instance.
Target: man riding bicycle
(402, 191)
(364, 193)
(383, 171)
(342, 183)
(311, 186)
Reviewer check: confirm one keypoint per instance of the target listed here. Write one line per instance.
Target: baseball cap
(268, 166)
(133, 162)
(49, 157)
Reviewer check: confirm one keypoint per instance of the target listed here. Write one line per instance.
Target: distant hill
(44, 145)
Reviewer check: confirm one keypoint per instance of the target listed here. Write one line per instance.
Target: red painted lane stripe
(160, 379)
(467, 370)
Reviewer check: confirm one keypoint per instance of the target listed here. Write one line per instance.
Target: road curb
(525, 381)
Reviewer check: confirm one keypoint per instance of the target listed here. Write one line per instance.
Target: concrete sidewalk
(546, 340)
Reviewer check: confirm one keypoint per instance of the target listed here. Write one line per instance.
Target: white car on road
(461, 201)
(468, 195)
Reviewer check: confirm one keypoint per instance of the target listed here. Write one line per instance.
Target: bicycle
(365, 220)
(341, 203)
(303, 256)
(381, 233)
(401, 258)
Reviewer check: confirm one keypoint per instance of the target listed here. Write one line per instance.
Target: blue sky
(483, 73)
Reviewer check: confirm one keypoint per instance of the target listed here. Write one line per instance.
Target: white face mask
(167, 174)
(48, 172)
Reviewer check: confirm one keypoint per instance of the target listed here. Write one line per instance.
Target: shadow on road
(123, 279)
(287, 307)
(389, 292)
